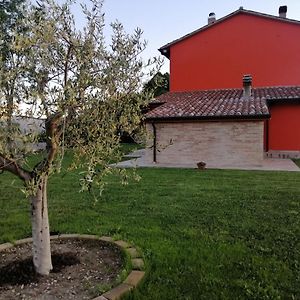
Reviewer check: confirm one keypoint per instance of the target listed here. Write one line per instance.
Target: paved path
(136, 153)
(269, 164)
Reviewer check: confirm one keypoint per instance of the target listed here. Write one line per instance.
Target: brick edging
(133, 279)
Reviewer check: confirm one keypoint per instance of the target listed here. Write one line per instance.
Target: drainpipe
(154, 142)
(267, 135)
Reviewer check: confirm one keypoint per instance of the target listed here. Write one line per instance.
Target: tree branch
(66, 69)
(53, 133)
(12, 167)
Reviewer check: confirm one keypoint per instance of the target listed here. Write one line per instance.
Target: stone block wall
(223, 143)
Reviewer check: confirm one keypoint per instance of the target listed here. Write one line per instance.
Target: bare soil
(82, 269)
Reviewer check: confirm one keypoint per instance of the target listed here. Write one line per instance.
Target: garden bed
(82, 269)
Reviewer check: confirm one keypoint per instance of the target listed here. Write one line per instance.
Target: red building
(218, 55)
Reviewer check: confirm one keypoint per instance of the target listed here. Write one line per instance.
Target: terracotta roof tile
(224, 103)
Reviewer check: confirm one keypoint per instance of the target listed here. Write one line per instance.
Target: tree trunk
(40, 229)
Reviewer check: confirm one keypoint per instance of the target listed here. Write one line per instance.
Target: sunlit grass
(215, 234)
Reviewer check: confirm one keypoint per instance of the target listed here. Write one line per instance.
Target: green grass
(215, 234)
(127, 147)
(297, 162)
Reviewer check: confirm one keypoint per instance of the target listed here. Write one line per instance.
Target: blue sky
(165, 20)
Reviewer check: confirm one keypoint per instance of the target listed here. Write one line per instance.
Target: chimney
(247, 85)
(211, 18)
(282, 11)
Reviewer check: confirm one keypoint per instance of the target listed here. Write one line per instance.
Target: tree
(158, 84)
(82, 88)
(11, 13)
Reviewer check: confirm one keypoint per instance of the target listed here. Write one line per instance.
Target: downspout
(154, 142)
(267, 135)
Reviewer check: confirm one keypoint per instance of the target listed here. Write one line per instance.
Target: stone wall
(223, 143)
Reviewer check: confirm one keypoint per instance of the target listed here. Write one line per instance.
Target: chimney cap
(247, 78)
(283, 9)
(247, 85)
(211, 18)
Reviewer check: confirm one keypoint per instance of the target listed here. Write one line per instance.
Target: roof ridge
(276, 86)
(231, 89)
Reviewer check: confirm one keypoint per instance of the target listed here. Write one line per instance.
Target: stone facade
(218, 144)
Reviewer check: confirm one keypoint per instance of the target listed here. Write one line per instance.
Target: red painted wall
(243, 44)
(284, 127)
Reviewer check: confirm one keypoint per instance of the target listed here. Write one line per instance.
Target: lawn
(297, 162)
(215, 234)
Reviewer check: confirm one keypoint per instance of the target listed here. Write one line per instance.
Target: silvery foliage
(87, 91)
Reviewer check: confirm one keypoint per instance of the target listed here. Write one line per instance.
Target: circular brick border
(133, 279)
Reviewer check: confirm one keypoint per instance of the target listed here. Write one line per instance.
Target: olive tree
(86, 91)
(11, 14)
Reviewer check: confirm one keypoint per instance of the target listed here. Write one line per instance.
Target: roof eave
(209, 118)
(165, 50)
(283, 100)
